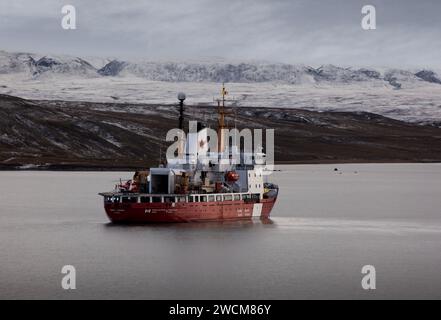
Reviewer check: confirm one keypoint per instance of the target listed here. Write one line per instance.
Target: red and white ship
(196, 189)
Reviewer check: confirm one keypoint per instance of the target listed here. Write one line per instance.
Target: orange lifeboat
(232, 176)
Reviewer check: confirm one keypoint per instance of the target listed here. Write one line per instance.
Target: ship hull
(188, 212)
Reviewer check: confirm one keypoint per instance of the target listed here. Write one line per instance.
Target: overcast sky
(294, 31)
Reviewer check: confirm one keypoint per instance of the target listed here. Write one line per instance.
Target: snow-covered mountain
(37, 66)
(16, 63)
(411, 95)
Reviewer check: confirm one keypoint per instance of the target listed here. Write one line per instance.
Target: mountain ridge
(240, 72)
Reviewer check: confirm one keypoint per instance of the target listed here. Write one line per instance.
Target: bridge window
(116, 199)
(210, 198)
(156, 199)
(129, 200)
(180, 199)
(228, 197)
(190, 199)
(145, 199)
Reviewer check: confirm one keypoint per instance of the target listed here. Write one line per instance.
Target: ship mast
(221, 119)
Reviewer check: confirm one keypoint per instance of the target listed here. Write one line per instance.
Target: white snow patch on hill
(410, 95)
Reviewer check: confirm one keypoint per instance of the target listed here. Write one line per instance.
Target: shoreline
(72, 168)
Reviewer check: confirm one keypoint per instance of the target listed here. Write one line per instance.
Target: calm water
(326, 226)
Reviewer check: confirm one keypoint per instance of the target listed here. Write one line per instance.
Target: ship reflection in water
(199, 225)
(324, 228)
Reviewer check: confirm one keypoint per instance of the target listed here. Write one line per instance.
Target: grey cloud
(293, 31)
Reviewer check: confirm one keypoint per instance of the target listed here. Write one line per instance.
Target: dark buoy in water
(335, 169)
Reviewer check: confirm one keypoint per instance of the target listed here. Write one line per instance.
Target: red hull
(188, 212)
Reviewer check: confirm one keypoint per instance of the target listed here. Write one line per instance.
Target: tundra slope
(90, 135)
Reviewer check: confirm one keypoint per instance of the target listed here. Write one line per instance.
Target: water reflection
(228, 224)
(197, 225)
